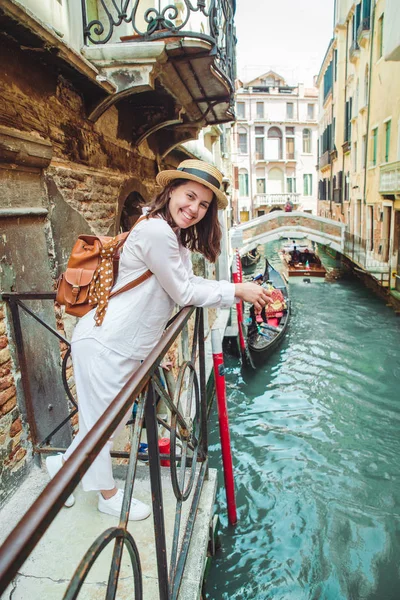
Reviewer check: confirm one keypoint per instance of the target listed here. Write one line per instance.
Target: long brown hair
(203, 237)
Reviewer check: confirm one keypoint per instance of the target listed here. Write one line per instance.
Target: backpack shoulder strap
(122, 237)
(132, 284)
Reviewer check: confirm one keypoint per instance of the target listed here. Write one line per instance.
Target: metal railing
(324, 160)
(372, 255)
(354, 51)
(185, 398)
(364, 26)
(276, 199)
(212, 21)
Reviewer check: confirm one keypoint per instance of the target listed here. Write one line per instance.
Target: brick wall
(14, 441)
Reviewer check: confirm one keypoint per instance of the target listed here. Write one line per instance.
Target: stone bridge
(296, 225)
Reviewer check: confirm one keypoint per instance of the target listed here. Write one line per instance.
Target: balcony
(276, 199)
(354, 52)
(363, 31)
(169, 70)
(324, 160)
(389, 180)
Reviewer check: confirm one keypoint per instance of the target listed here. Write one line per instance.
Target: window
(261, 185)
(242, 142)
(388, 125)
(259, 143)
(307, 185)
(380, 37)
(290, 148)
(274, 144)
(243, 183)
(291, 185)
(260, 110)
(240, 109)
(374, 146)
(307, 141)
(289, 110)
(310, 111)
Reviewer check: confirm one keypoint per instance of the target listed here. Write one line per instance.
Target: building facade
(274, 147)
(93, 105)
(359, 134)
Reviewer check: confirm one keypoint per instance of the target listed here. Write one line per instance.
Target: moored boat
(301, 261)
(250, 258)
(264, 337)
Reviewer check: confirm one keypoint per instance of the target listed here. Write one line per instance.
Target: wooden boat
(262, 339)
(301, 261)
(250, 258)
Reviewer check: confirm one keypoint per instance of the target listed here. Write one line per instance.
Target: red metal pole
(237, 278)
(219, 375)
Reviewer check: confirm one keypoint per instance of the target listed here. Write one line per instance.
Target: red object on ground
(164, 447)
(223, 421)
(237, 278)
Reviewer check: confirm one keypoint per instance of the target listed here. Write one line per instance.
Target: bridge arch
(296, 225)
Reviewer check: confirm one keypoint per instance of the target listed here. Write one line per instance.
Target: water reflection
(316, 443)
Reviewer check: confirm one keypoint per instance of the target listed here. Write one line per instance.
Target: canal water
(316, 447)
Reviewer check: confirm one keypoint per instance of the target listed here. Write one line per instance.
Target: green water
(316, 445)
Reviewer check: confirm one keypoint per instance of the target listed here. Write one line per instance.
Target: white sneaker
(113, 505)
(53, 465)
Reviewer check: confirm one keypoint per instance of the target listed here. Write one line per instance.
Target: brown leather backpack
(75, 286)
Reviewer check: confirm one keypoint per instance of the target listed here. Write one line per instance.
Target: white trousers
(99, 375)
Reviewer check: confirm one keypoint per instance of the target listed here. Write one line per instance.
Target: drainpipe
(345, 100)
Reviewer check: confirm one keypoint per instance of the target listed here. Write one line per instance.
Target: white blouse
(135, 319)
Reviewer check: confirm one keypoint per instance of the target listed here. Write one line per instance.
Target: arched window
(243, 183)
(366, 85)
(274, 143)
(242, 141)
(307, 141)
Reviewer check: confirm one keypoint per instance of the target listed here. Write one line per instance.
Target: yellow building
(359, 129)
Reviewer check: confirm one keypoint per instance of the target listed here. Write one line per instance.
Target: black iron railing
(185, 399)
(363, 26)
(162, 21)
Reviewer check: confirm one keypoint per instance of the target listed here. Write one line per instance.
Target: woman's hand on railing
(252, 292)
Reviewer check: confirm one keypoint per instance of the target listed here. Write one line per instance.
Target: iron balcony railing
(324, 160)
(185, 399)
(144, 20)
(276, 199)
(354, 51)
(364, 26)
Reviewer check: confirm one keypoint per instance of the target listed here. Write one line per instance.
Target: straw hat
(200, 171)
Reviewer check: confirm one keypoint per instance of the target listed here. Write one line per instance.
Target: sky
(286, 36)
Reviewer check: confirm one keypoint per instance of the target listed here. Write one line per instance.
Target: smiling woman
(183, 217)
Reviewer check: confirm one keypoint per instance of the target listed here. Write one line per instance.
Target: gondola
(262, 339)
(250, 258)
